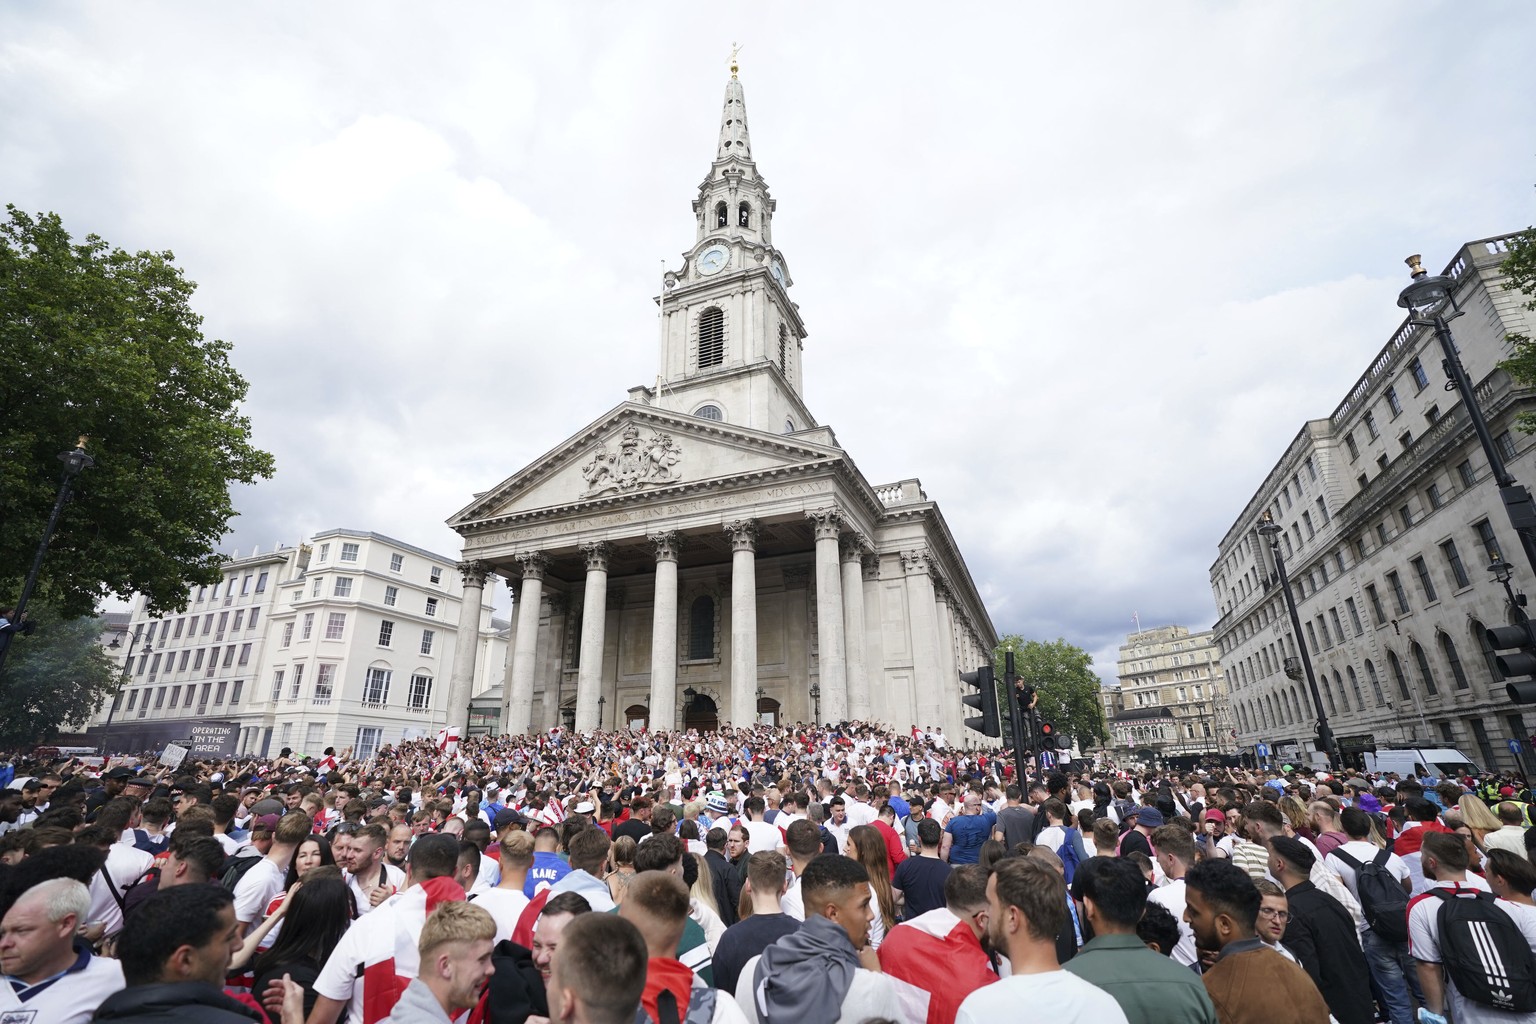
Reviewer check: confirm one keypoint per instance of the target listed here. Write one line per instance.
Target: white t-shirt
(71, 999)
(762, 837)
(257, 888)
(1066, 998)
(1363, 852)
(1424, 944)
(390, 875)
(505, 905)
(1171, 897)
(126, 866)
(858, 813)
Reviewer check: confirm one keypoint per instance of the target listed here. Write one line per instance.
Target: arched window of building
(722, 215)
(1448, 648)
(767, 711)
(1422, 660)
(1338, 681)
(1354, 687)
(1375, 680)
(701, 628)
(637, 716)
(1490, 657)
(711, 337)
(1395, 664)
(709, 412)
(744, 215)
(1298, 706)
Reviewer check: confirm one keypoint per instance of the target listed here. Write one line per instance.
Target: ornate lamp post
(1272, 530)
(601, 701)
(75, 461)
(816, 696)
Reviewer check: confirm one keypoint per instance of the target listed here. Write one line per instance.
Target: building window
(325, 552)
(701, 628)
(427, 638)
(245, 588)
(421, 692)
(1405, 439)
(709, 412)
(251, 622)
(1422, 660)
(1354, 687)
(245, 654)
(1306, 520)
(722, 215)
(178, 629)
(367, 744)
(1311, 468)
(287, 634)
(1490, 656)
(1467, 474)
(1436, 499)
(176, 695)
(386, 633)
(343, 587)
(1448, 648)
(744, 215)
(298, 682)
(1354, 449)
(431, 607)
(277, 685)
(1453, 561)
(1432, 414)
(239, 619)
(1506, 445)
(1488, 539)
(197, 662)
(182, 664)
(215, 595)
(1312, 638)
(1398, 593)
(1405, 516)
(234, 691)
(1419, 376)
(396, 562)
(1338, 627)
(1322, 627)
(1398, 674)
(1354, 615)
(1322, 511)
(309, 626)
(1375, 681)
(376, 687)
(711, 338)
(218, 693)
(325, 681)
(435, 575)
(261, 587)
(1421, 569)
(1393, 402)
(349, 552)
(207, 624)
(335, 625)
(1370, 425)
(784, 349)
(318, 585)
(1381, 533)
(390, 595)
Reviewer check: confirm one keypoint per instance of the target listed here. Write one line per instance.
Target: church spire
(733, 118)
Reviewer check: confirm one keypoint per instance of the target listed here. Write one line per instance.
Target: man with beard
(946, 952)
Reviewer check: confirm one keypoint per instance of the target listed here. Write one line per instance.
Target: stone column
(664, 633)
(925, 641)
(518, 719)
(853, 627)
(461, 677)
(874, 640)
(743, 533)
(827, 523)
(949, 673)
(594, 613)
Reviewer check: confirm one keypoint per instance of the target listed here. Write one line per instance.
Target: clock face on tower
(713, 260)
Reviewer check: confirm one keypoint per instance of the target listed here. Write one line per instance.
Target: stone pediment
(635, 450)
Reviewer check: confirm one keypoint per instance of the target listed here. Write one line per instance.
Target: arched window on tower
(744, 215)
(722, 215)
(711, 337)
(701, 628)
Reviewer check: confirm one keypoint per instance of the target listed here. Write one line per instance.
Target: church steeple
(731, 336)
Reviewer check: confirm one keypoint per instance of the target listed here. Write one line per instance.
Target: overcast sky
(1085, 272)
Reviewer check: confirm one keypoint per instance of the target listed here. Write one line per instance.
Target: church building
(705, 552)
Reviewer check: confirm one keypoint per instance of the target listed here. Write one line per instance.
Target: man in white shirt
(124, 866)
(1390, 963)
(1175, 853)
(371, 879)
(49, 977)
(261, 884)
(860, 811)
(761, 836)
(506, 901)
(1511, 833)
(838, 823)
(1028, 903)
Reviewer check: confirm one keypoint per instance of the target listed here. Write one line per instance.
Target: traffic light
(1520, 661)
(1048, 737)
(983, 700)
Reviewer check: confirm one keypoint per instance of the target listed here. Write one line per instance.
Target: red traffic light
(1047, 736)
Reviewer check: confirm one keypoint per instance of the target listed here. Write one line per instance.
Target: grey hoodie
(417, 1005)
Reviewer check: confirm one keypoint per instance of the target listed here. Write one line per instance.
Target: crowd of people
(768, 875)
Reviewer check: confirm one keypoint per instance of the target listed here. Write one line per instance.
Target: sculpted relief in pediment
(637, 462)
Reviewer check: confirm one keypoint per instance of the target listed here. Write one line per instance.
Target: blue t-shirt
(969, 831)
(547, 869)
(901, 807)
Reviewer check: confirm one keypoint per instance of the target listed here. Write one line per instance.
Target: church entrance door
(702, 714)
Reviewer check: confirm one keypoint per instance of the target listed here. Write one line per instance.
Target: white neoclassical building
(705, 551)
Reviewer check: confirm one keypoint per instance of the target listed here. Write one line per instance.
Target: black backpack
(235, 869)
(1485, 953)
(1382, 899)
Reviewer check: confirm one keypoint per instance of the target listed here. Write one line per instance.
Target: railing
(902, 492)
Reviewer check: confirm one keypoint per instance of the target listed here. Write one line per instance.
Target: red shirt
(894, 853)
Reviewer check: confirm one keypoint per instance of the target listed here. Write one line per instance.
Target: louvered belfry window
(711, 337)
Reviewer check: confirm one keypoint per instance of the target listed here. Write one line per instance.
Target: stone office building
(706, 552)
(1172, 697)
(1390, 517)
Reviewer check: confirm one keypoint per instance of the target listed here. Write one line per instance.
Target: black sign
(202, 737)
(214, 739)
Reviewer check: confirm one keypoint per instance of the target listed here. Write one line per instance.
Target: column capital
(914, 563)
(871, 565)
(473, 572)
(826, 523)
(743, 534)
(597, 555)
(941, 589)
(533, 564)
(666, 544)
(854, 545)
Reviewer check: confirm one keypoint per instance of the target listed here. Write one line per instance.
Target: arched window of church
(709, 412)
(722, 215)
(744, 215)
(701, 629)
(711, 337)
(784, 349)
(789, 426)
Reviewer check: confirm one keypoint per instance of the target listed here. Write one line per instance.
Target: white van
(1437, 762)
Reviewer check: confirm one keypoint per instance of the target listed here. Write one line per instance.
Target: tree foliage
(56, 677)
(1063, 676)
(1519, 268)
(102, 342)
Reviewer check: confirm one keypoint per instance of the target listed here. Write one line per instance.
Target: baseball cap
(120, 772)
(585, 807)
(507, 816)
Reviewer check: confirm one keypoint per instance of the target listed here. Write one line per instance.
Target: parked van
(1437, 762)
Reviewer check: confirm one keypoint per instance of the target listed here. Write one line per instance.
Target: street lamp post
(122, 681)
(1272, 530)
(75, 461)
(816, 696)
(1427, 299)
(601, 702)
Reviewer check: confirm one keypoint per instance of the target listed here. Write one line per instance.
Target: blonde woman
(1478, 818)
(621, 866)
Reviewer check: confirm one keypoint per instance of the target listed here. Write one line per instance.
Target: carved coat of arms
(638, 462)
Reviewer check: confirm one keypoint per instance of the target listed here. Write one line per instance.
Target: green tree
(102, 342)
(1062, 674)
(55, 678)
(1519, 268)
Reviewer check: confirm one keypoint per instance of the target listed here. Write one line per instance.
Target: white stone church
(705, 552)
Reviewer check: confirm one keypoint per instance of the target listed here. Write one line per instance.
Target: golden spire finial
(735, 49)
